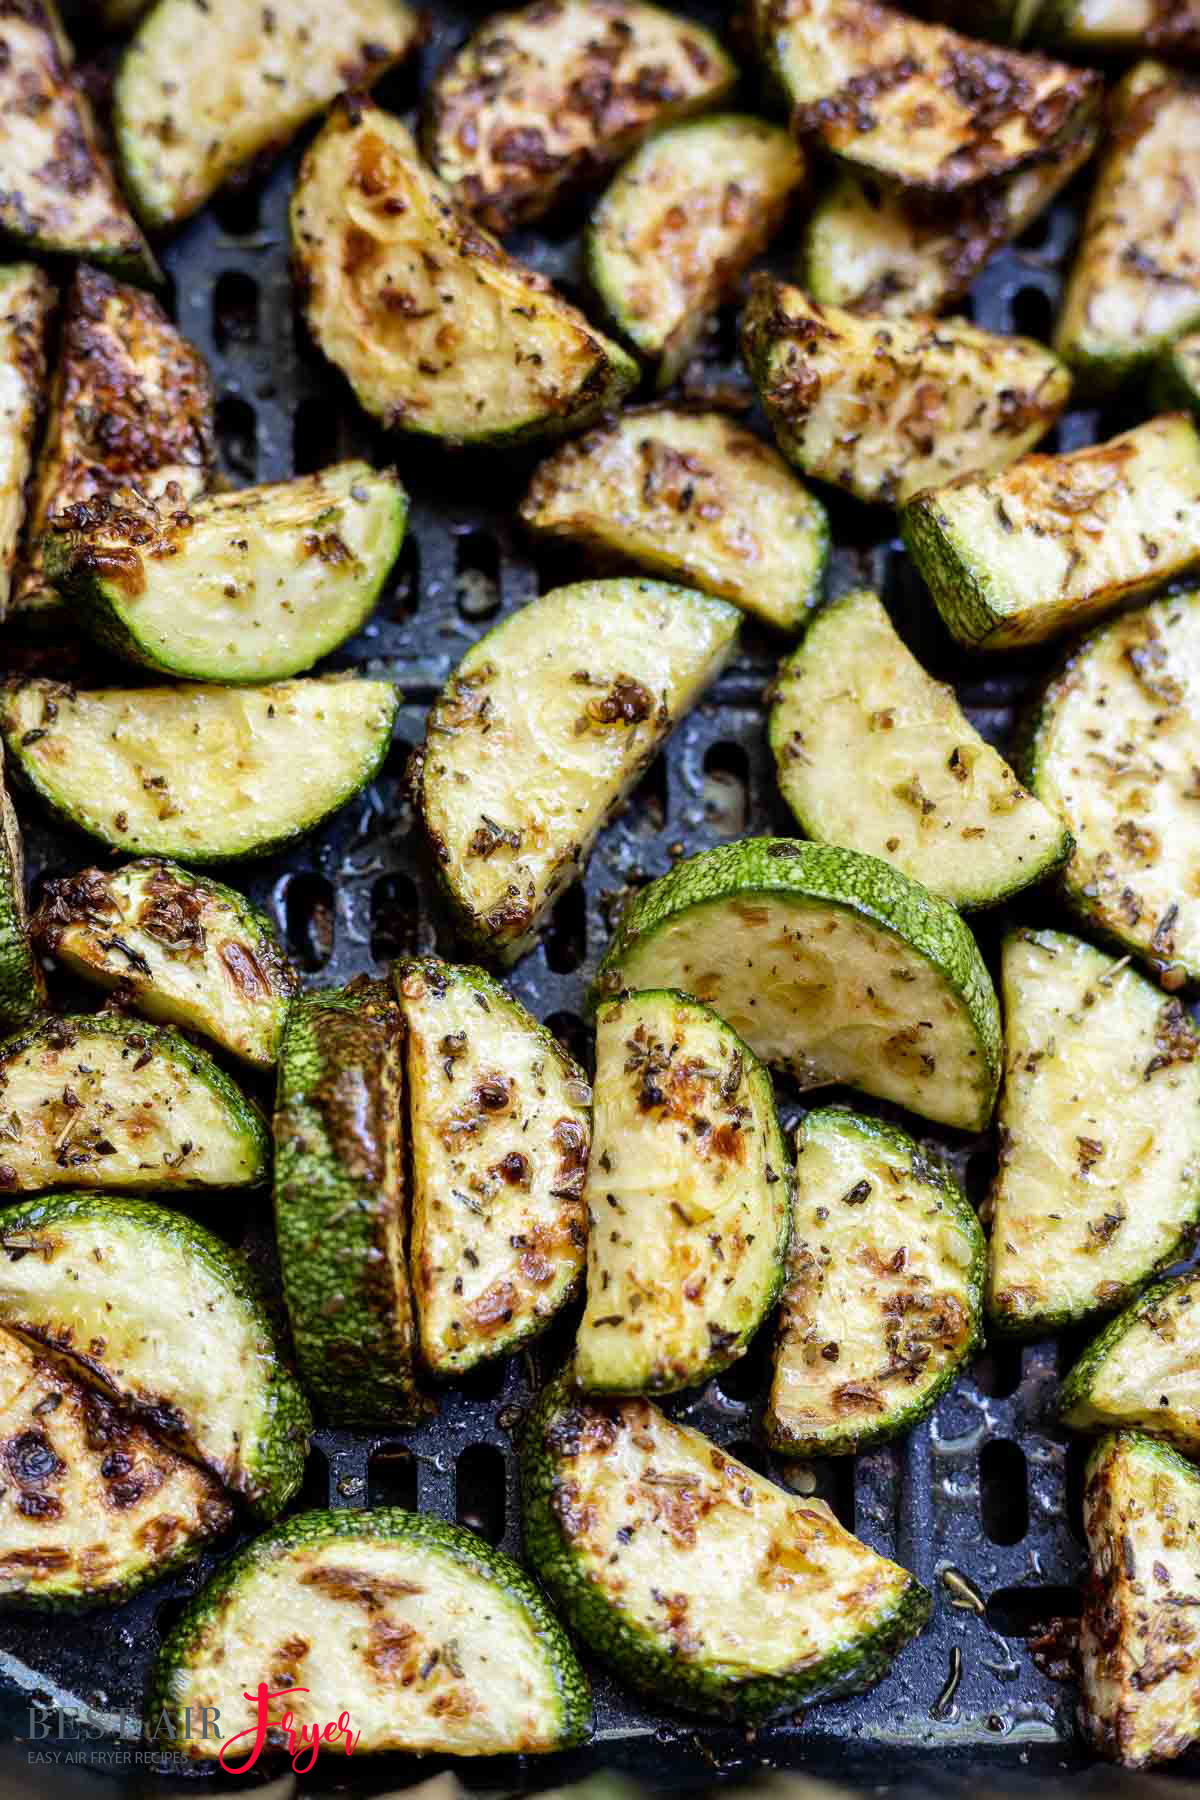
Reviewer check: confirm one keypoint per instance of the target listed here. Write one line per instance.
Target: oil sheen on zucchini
(1139, 1638)
(26, 299)
(542, 731)
(165, 1320)
(689, 495)
(500, 1125)
(886, 407)
(884, 1292)
(205, 774)
(92, 1506)
(22, 983)
(249, 586)
(1112, 752)
(1140, 1370)
(919, 786)
(420, 1632)
(188, 112)
(679, 224)
(688, 1197)
(694, 1578)
(436, 328)
(1099, 1176)
(1047, 546)
(832, 966)
(182, 948)
(543, 97)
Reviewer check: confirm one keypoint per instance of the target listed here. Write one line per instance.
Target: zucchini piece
(886, 407)
(500, 1124)
(915, 102)
(131, 402)
(250, 586)
(1111, 751)
(695, 1578)
(1121, 27)
(541, 733)
(201, 773)
(187, 116)
(1041, 549)
(26, 299)
(1138, 1637)
(101, 1101)
(689, 1199)
(92, 1507)
(1176, 380)
(1134, 283)
(1099, 1176)
(22, 984)
(341, 1204)
(59, 196)
(1141, 1369)
(692, 495)
(436, 328)
(918, 785)
(420, 1632)
(680, 224)
(181, 948)
(832, 966)
(884, 1292)
(545, 97)
(165, 1320)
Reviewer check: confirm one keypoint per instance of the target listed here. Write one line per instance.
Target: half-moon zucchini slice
(205, 774)
(164, 1319)
(1141, 1370)
(436, 328)
(832, 966)
(26, 299)
(542, 731)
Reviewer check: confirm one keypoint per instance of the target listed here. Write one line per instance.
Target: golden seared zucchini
(886, 407)
(1135, 283)
(915, 102)
(22, 984)
(546, 96)
(26, 298)
(1112, 751)
(436, 328)
(1099, 1177)
(194, 101)
(1139, 1638)
(679, 225)
(181, 948)
(131, 403)
(500, 1127)
(688, 1197)
(205, 774)
(1121, 27)
(1045, 547)
(1141, 1369)
(542, 731)
(692, 495)
(256, 585)
(695, 1578)
(1176, 379)
(875, 754)
(884, 1291)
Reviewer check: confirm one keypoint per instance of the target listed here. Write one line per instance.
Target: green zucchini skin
(1167, 1313)
(1175, 383)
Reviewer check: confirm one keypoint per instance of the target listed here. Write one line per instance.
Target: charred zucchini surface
(26, 299)
(1099, 1177)
(688, 1197)
(500, 1127)
(1140, 1370)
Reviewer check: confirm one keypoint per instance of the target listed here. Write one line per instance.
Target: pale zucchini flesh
(884, 1290)
(183, 949)
(884, 407)
(1049, 545)
(874, 754)
(543, 97)
(831, 965)
(679, 225)
(26, 299)
(1141, 1370)
(256, 585)
(205, 86)
(500, 1128)
(688, 1197)
(22, 983)
(204, 774)
(689, 495)
(1099, 1176)
(438, 330)
(542, 731)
